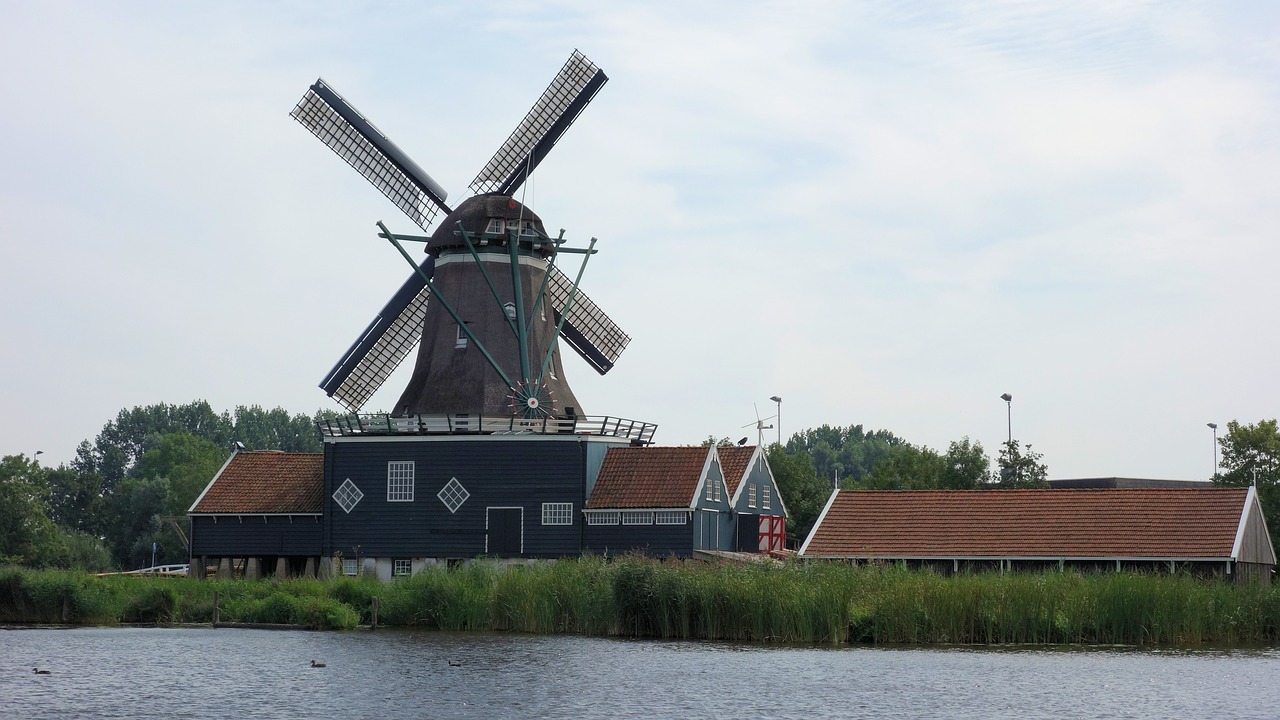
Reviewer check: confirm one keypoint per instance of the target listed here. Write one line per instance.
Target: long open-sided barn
(1218, 531)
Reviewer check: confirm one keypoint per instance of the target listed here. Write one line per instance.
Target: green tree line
(131, 486)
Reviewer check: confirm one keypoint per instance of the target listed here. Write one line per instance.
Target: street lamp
(1008, 399)
(778, 419)
(1214, 427)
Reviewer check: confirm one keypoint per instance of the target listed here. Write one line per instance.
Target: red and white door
(773, 533)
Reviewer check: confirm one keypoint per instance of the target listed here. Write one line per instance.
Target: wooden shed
(1218, 531)
(260, 515)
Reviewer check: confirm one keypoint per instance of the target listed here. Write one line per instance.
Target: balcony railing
(383, 424)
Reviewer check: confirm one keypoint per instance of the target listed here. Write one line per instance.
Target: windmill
(488, 347)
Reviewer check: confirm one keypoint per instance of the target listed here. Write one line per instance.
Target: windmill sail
(340, 126)
(382, 346)
(573, 87)
(587, 329)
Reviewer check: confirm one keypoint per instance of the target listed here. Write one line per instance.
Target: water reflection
(138, 673)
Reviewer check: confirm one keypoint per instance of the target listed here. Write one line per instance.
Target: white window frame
(718, 495)
(460, 342)
(348, 496)
(350, 567)
(557, 513)
(610, 517)
(401, 567)
(766, 492)
(751, 495)
(711, 492)
(671, 517)
(453, 495)
(400, 480)
(495, 226)
(637, 517)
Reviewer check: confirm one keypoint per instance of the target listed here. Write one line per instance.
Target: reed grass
(641, 597)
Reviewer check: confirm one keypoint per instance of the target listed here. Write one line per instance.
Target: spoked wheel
(532, 401)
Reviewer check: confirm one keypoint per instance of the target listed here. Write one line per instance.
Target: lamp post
(1214, 427)
(1008, 399)
(778, 419)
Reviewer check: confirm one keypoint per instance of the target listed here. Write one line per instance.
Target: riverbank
(636, 597)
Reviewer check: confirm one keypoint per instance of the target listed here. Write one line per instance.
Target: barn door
(747, 535)
(505, 531)
(773, 533)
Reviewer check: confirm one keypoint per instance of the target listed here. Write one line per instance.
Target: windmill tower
(489, 303)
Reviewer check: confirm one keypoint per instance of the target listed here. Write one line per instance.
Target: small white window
(494, 227)
(349, 566)
(711, 491)
(402, 568)
(671, 517)
(636, 517)
(718, 495)
(603, 518)
(400, 481)
(461, 341)
(765, 491)
(557, 513)
(751, 495)
(510, 310)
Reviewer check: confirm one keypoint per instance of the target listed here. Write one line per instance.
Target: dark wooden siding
(653, 540)
(507, 473)
(252, 535)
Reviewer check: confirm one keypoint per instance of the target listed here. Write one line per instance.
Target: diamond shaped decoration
(347, 495)
(453, 495)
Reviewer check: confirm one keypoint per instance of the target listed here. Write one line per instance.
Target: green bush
(156, 604)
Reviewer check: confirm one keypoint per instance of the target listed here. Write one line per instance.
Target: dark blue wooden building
(260, 515)
(390, 496)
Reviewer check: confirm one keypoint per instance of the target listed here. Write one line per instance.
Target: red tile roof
(734, 461)
(266, 482)
(648, 477)
(1161, 523)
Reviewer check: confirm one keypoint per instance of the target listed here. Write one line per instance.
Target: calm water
(142, 673)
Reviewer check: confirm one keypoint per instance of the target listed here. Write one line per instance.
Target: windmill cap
(475, 215)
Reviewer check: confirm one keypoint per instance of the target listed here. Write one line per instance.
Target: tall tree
(74, 498)
(844, 453)
(967, 466)
(906, 467)
(1021, 469)
(1251, 453)
(24, 527)
(275, 429)
(122, 441)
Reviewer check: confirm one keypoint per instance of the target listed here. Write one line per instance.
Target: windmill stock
(488, 304)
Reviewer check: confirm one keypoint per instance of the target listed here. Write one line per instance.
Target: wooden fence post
(216, 612)
(374, 614)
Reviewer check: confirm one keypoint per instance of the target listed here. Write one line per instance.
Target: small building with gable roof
(1218, 531)
(760, 515)
(262, 509)
(665, 501)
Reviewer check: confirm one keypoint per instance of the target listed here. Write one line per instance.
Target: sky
(886, 213)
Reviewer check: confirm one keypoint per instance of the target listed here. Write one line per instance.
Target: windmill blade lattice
(573, 87)
(587, 329)
(384, 344)
(340, 126)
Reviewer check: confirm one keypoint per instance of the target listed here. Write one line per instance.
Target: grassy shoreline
(635, 597)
